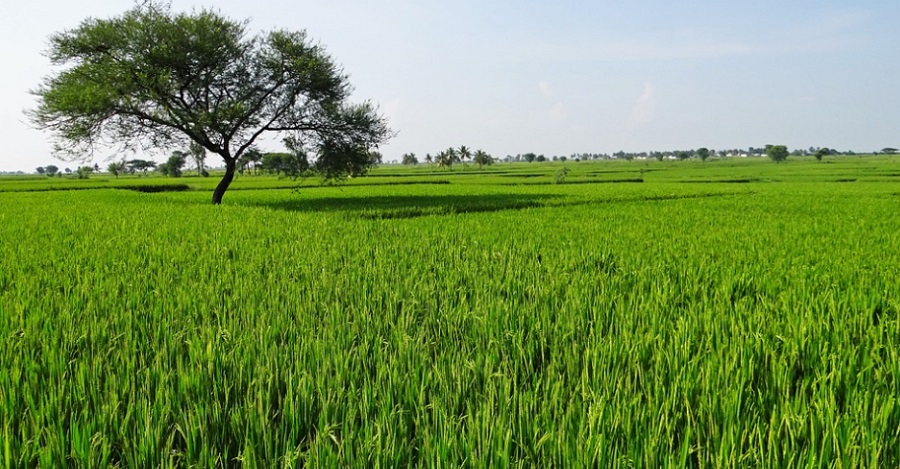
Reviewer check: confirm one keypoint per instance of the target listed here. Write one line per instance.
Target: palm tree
(464, 153)
(447, 157)
(482, 158)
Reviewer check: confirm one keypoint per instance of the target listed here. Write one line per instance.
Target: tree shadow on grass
(412, 206)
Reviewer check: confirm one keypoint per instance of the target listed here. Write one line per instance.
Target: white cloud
(546, 88)
(644, 110)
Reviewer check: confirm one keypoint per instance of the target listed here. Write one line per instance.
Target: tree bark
(224, 183)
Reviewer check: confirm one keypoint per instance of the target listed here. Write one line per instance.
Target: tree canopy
(703, 153)
(152, 78)
(777, 153)
(481, 158)
(410, 159)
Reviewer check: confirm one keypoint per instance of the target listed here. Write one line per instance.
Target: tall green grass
(481, 325)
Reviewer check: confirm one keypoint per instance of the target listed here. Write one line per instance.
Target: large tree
(152, 78)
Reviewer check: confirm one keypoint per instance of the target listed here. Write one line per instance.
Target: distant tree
(682, 155)
(481, 158)
(41, 170)
(198, 154)
(821, 152)
(250, 160)
(173, 167)
(447, 158)
(139, 165)
(297, 164)
(529, 157)
(889, 151)
(116, 168)
(410, 159)
(375, 157)
(68, 171)
(563, 158)
(703, 153)
(777, 153)
(152, 77)
(428, 158)
(51, 169)
(540, 158)
(273, 162)
(464, 153)
(84, 172)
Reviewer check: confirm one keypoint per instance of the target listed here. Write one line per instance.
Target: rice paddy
(638, 314)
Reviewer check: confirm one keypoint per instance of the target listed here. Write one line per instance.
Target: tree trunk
(224, 183)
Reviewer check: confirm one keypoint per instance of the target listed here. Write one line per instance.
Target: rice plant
(666, 323)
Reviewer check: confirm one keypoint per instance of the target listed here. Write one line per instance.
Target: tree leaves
(153, 79)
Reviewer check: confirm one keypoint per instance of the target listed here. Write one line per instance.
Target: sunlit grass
(465, 324)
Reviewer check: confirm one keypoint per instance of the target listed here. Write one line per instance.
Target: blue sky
(558, 77)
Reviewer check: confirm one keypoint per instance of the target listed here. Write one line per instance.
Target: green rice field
(731, 313)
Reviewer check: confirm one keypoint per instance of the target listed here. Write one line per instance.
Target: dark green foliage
(340, 158)
(447, 158)
(250, 160)
(465, 154)
(116, 168)
(84, 172)
(173, 166)
(777, 153)
(702, 153)
(287, 164)
(481, 158)
(140, 165)
(409, 159)
(155, 78)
